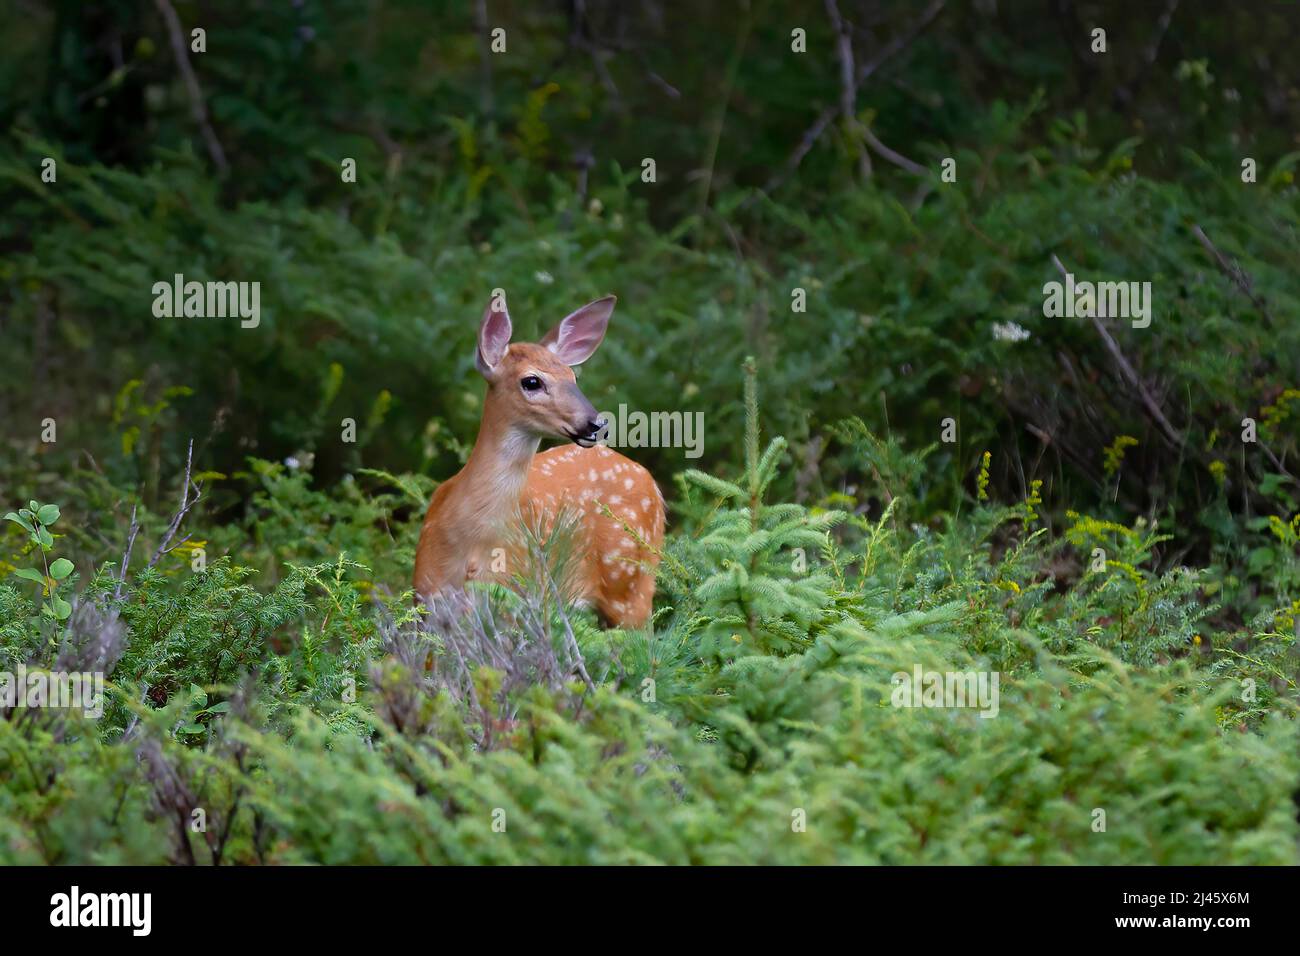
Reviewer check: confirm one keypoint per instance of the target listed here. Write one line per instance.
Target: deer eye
(530, 383)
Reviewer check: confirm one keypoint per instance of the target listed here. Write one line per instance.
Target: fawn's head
(533, 385)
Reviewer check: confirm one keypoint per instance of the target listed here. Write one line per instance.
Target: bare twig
(900, 42)
(818, 127)
(667, 88)
(186, 504)
(898, 159)
(1234, 272)
(1128, 374)
(1162, 27)
(848, 87)
(126, 556)
(1064, 449)
(1125, 93)
(135, 717)
(1277, 463)
(806, 143)
(198, 106)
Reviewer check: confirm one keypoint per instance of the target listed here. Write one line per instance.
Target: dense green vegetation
(1098, 533)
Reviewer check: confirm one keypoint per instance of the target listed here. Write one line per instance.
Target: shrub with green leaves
(37, 519)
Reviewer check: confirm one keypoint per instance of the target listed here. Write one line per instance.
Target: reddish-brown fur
(471, 529)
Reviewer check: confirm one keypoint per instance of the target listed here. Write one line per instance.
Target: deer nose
(597, 425)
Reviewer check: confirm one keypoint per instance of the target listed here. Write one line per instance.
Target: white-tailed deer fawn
(532, 394)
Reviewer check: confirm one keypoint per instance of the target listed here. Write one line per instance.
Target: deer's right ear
(493, 337)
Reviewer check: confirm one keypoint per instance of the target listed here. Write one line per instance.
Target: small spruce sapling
(751, 589)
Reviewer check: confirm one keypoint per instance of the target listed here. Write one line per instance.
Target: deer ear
(493, 337)
(578, 333)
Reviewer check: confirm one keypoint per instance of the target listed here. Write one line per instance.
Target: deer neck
(497, 470)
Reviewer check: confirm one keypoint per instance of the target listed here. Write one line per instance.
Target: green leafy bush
(753, 723)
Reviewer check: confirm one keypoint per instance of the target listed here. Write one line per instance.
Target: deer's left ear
(579, 333)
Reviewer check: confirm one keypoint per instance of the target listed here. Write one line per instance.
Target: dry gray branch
(1234, 272)
(165, 546)
(198, 105)
(126, 555)
(1129, 375)
(848, 87)
(823, 120)
(893, 156)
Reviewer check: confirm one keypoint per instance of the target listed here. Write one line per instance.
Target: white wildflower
(1009, 332)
